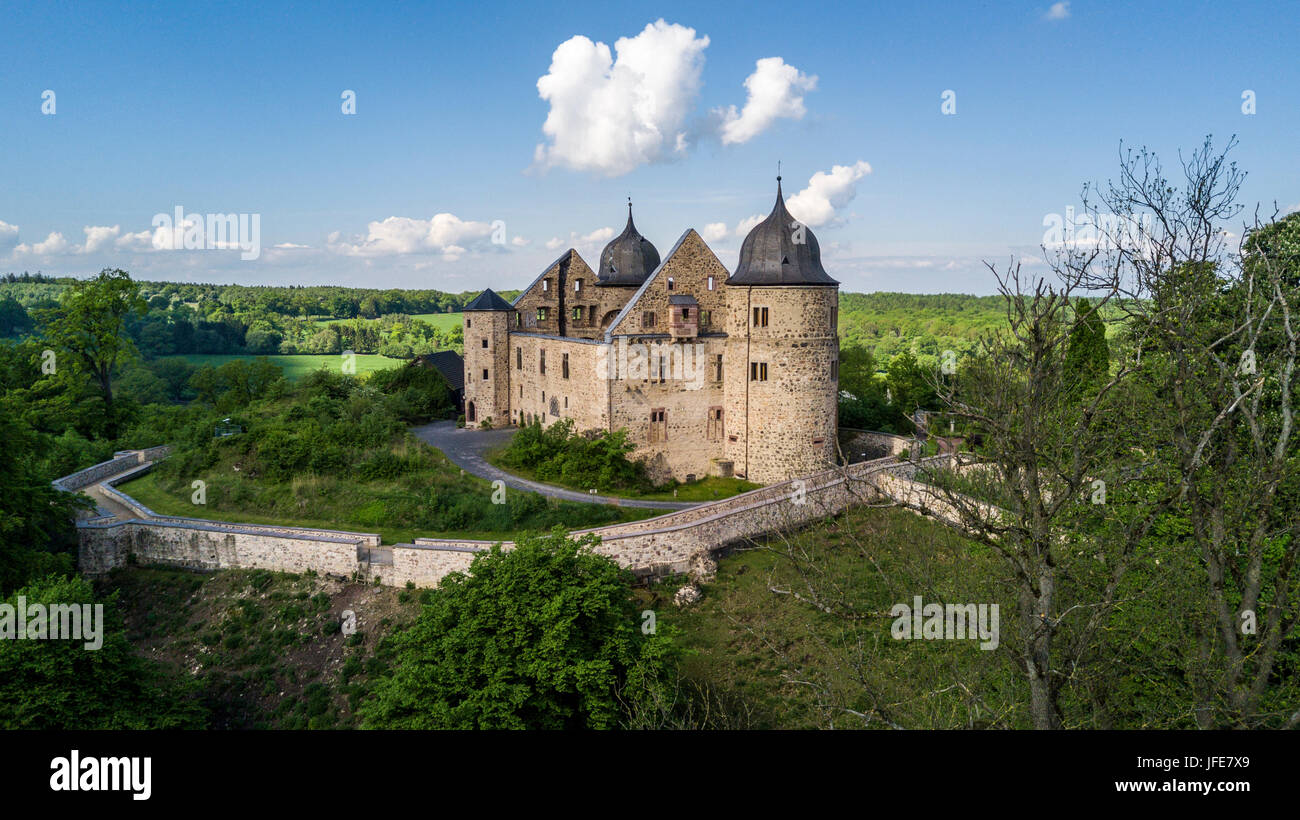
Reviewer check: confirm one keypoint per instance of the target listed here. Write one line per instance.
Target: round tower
(781, 384)
(487, 360)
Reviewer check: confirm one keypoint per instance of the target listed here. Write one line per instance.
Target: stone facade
(672, 362)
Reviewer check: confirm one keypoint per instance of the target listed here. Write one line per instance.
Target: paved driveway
(468, 449)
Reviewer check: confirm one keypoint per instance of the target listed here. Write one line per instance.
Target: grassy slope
(798, 667)
(265, 648)
(330, 502)
(709, 488)
(297, 366)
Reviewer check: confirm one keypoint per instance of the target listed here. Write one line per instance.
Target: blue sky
(237, 109)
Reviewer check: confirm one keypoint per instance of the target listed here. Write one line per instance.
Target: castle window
(577, 314)
(521, 391)
(658, 425)
(715, 424)
(818, 442)
(541, 314)
(760, 317)
(519, 358)
(485, 343)
(485, 378)
(686, 313)
(577, 286)
(835, 318)
(468, 323)
(648, 319)
(564, 366)
(706, 318)
(835, 370)
(566, 402)
(758, 371)
(555, 406)
(732, 439)
(717, 367)
(541, 364)
(670, 283)
(710, 283)
(546, 285)
(519, 319)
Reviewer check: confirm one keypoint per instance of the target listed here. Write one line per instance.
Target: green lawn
(441, 321)
(295, 367)
(709, 488)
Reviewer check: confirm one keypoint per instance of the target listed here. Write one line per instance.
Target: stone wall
(582, 396)
(788, 421)
(665, 544)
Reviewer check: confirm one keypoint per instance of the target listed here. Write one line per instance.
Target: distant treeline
(185, 318)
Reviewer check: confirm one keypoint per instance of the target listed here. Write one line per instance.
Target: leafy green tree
(60, 684)
(545, 636)
(1087, 356)
(89, 326)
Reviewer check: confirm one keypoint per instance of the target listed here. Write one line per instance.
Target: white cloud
(744, 226)
(52, 244)
(554, 243)
(98, 238)
(582, 242)
(141, 241)
(611, 114)
(290, 246)
(520, 242)
(1058, 11)
(8, 234)
(714, 231)
(445, 233)
(775, 91)
(816, 204)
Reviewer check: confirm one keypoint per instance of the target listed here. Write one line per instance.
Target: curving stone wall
(661, 545)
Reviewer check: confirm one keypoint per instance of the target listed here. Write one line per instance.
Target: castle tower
(487, 360)
(781, 382)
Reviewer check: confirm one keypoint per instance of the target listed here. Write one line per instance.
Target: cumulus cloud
(826, 192)
(776, 91)
(98, 238)
(8, 235)
(1058, 11)
(714, 231)
(398, 235)
(747, 224)
(581, 241)
(52, 244)
(610, 114)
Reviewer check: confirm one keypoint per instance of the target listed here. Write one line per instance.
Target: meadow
(297, 366)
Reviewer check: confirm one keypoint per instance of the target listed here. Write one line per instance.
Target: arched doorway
(469, 412)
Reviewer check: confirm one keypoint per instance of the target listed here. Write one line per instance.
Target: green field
(295, 367)
(442, 321)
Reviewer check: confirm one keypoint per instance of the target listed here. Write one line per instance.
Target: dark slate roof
(448, 363)
(489, 300)
(682, 299)
(628, 259)
(770, 256)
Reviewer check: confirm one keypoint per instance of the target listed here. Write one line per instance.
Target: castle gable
(691, 270)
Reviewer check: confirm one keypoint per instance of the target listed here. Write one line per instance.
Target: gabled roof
(488, 300)
(448, 363)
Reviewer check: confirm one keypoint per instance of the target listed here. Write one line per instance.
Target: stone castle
(710, 372)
